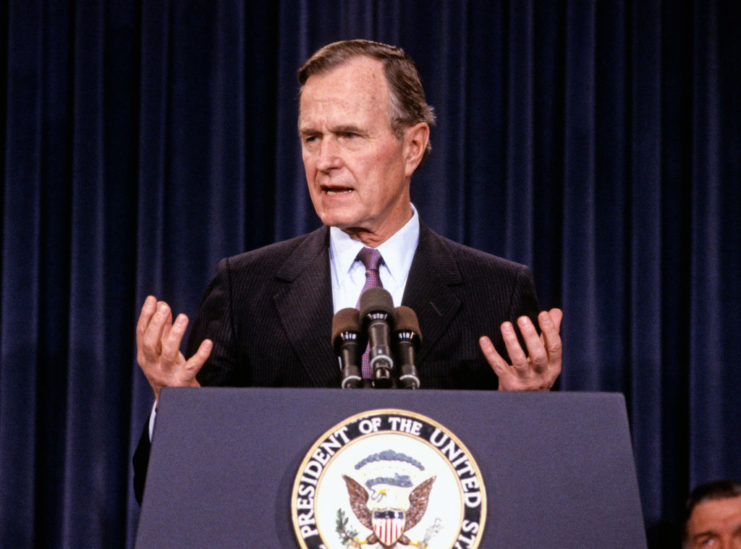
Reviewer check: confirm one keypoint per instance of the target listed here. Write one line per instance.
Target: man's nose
(329, 155)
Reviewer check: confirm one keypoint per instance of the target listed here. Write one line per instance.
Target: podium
(558, 467)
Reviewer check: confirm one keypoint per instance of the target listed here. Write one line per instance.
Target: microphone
(377, 314)
(348, 343)
(407, 339)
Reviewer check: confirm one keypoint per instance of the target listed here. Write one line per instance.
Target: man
(713, 514)
(265, 319)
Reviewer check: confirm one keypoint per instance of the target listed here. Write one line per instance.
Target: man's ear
(415, 142)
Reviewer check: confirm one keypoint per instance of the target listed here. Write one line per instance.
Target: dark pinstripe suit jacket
(269, 313)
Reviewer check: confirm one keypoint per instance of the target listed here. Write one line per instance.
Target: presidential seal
(388, 479)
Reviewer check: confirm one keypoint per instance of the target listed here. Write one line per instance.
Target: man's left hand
(536, 370)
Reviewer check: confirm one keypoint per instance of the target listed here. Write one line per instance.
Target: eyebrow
(348, 128)
(705, 534)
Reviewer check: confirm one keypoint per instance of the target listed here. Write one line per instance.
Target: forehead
(357, 88)
(715, 511)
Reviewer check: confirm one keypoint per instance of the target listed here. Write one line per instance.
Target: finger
(168, 322)
(196, 362)
(145, 316)
(492, 356)
(556, 316)
(516, 354)
(171, 342)
(534, 344)
(550, 323)
(152, 337)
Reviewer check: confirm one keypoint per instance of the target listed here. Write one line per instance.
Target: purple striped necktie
(371, 258)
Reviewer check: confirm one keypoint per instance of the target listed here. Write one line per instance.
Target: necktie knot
(371, 258)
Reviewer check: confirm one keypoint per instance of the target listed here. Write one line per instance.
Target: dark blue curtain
(599, 142)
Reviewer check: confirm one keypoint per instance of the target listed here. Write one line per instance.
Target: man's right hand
(158, 341)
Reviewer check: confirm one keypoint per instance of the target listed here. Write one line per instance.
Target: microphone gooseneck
(348, 342)
(377, 316)
(407, 339)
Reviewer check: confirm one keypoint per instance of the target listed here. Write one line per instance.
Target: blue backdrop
(598, 142)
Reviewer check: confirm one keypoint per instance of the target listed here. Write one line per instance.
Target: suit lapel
(304, 305)
(304, 299)
(429, 289)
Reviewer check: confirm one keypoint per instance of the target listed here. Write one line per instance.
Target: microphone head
(346, 320)
(406, 321)
(376, 300)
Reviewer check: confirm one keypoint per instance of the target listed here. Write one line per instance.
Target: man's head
(408, 105)
(364, 126)
(713, 516)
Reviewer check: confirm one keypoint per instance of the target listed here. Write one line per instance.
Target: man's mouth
(337, 190)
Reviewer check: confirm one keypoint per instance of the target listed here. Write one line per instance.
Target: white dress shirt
(348, 275)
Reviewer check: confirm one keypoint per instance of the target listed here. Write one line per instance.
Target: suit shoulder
(269, 258)
(470, 259)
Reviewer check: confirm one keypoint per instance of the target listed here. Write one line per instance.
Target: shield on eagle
(388, 525)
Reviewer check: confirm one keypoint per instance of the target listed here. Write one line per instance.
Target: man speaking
(266, 317)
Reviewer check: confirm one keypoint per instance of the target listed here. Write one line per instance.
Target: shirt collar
(397, 251)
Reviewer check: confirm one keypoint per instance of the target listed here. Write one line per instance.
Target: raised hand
(536, 370)
(158, 341)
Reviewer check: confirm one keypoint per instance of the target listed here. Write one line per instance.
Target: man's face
(357, 171)
(716, 523)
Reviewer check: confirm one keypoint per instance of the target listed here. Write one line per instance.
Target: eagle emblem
(388, 524)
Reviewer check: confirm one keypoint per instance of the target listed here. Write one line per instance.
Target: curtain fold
(598, 142)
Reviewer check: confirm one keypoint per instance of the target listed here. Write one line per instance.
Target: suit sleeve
(141, 461)
(524, 303)
(215, 320)
(524, 298)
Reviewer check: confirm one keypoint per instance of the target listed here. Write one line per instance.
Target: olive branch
(347, 535)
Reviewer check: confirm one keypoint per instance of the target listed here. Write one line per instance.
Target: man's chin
(341, 220)
(349, 228)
